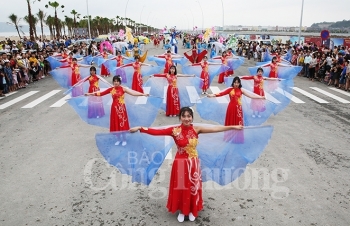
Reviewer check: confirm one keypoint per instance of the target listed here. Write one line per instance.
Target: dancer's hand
(134, 129)
(211, 95)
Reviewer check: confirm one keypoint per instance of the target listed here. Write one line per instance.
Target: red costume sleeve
(107, 91)
(126, 65)
(157, 132)
(66, 66)
(223, 93)
(160, 75)
(247, 77)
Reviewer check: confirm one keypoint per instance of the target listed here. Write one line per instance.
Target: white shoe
(191, 217)
(124, 143)
(97, 116)
(117, 143)
(253, 116)
(181, 218)
(259, 116)
(43, 76)
(203, 93)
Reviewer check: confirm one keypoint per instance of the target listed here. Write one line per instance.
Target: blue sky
(188, 13)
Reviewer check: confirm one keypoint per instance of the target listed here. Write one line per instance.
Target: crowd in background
(23, 62)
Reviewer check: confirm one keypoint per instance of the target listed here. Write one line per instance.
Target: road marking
(341, 91)
(341, 100)
(193, 94)
(9, 94)
(290, 96)
(271, 98)
(61, 102)
(41, 99)
(315, 98)
(164, 95)
(221, 100)
(143, 100)
(167, 140)
(18, 99)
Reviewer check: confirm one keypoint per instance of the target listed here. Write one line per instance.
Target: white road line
(192, 93)
(18, 99)
(290, 96)
(143, 100)
(315, 98)
(167, 140)
(41, 99)
(341, 100)
(61, 102)
(164, 95)
(271, 98)
(341, 91)
(9, 94)
(221, 100)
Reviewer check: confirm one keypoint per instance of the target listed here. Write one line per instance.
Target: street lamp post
(301, 21)
(140, 18)
(126, 6)
(223, 17)
(88, 17)
(192, 18)
(202, 14)
(147, 20)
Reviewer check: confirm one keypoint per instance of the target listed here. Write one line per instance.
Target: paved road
(53, 174)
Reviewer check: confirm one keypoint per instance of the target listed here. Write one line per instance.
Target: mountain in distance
(345, 24)
(5, 27)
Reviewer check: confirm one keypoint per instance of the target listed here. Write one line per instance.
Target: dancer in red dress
(205, 74)
(258, 105)
(195, 57)
(185, 188)
(75, 77)
(137, 81)
(104, 70)
(168, 60)
(172, 97)
(119, 117)
(234, 112)
(95, 104)
(224, 74)
(274, 72)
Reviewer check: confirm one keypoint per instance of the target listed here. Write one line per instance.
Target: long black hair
(175, 73)
(236, 79)
(183, 110)
(117, 78)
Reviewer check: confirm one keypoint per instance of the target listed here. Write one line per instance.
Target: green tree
(32, 20)
(55, 5)
(15, 20)
(41, 16)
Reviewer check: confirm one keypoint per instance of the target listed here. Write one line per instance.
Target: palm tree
(15, 20)
(70, 24)
(75, 15)
(41, 16)
(34, 21)
(50, 22)
(31, 33)
(55, 5)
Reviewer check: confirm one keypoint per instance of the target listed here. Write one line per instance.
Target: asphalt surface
(51, 172)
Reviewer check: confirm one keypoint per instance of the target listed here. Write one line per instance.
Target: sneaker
(43, 76)
(191, 217)
(117, 143)
(124, 143)
(259, 116)
(253, 116)
(203, 93)
(181, 218)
